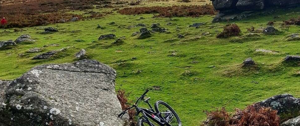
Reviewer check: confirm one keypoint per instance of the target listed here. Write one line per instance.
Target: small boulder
(34, 50)
(46, 55)
(291, 59)
(49, 30)
(7, 44)
(24, 38)
(74, 19)
(248, 62)
(180, 36)
(107, 36)
(292, 122)
(157, 28)
(144, 33)
(270, 30)
(293, 37)
(285, 104)
(118, 42)
(81, 54)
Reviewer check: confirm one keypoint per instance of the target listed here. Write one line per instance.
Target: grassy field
(192, 74)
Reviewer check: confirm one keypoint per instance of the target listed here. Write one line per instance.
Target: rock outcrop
(24, 38)
(77, 94)
(286, 105)
(239, 9)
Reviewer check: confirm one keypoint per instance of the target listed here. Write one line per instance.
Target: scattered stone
(53, 45)
(197, 25)
(292, 122)
(46, 55)
(24, 38)
(266, 51)
(79, 40)
(118, 42)
(135, 33)
(81, 54)
(285, 104)
(107, 36)
(141, 25)
(293, 37)
(156, 28)
(61, 21)
(74, 19)
(144, 33)
(69, 91)
(99, 27)
(291, 59)
(180, 36)
(169, 23)
(270, 30)
(252, 35)
(248, 62)
(205, 33)
(7, 44)
(34, 50)
(112, 23)
(49, 30)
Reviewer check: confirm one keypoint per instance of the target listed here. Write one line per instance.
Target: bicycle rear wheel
(142, 122)
(167, 113)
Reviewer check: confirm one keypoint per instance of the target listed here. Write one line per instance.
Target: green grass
(193, 80)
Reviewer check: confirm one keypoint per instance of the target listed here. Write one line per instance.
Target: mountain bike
(164, 115)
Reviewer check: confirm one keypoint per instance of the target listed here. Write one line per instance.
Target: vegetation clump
(230, 30)
(253, 115)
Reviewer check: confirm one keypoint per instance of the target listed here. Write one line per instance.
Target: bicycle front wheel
(167, 113)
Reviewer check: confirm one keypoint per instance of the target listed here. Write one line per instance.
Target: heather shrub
(230, 30)
(253, 115)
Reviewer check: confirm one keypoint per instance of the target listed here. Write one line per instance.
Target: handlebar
(135, 105)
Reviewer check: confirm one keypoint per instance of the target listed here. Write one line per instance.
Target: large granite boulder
(241, 9)
(224, 4)
(287, 106)
(283, 2)
(250, 4)
(72, 94)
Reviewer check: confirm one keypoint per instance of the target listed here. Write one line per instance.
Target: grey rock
(157, 28)
(285, 104)
(250, 4)
(135, 33)
(49, 30)
(6, 44)
(3, 87)
(270, 30)
(74, 19)
(144, 33)
(293, 37)
(292, 122)
(107, 36)
(118, 42)
(61, 21)
(141, 25)
(197, 25)
(180, 36)
(24, 38)
(72, 94)
(248, 62)
(283, 2)
(224, 4)
(290, 59)
(46, 55)
(34, 50)
(81, 54)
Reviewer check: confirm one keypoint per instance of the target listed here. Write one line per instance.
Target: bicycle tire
(170, 108)
(140, 122)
